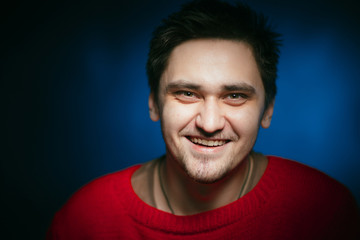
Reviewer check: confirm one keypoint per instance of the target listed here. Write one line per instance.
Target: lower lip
(205, 149)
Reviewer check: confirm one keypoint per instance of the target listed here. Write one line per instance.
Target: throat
(183, 196)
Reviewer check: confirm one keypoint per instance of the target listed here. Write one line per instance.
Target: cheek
(175, 117)
(245, 122)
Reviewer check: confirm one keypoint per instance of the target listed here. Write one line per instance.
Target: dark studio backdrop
(75, 95)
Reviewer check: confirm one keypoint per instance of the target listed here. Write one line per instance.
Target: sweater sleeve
(346, 219)
(55, 229)
(318, 206)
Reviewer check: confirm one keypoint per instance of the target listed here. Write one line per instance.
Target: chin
(207, 180)
(204, 172)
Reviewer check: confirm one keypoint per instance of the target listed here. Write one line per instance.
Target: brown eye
(186, 96)
(235, 98)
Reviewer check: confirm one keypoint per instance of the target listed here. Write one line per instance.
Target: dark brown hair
(219, 20)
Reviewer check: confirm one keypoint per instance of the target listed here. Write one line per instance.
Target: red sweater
(291, 201)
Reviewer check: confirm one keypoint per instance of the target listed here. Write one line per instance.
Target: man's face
(211, 104)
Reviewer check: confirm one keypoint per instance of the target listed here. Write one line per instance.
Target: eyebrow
(183, 84)
(243, 87)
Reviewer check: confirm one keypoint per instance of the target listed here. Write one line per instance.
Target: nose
(210, 118)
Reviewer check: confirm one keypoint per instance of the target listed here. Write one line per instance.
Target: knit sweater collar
(152, 218)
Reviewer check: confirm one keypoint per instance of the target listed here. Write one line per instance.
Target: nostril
(208, 134)
(210, 125)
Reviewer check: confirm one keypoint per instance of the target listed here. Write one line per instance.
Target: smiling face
(211, 104)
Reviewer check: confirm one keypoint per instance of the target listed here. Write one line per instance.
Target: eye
(235, 98)
(186, 96)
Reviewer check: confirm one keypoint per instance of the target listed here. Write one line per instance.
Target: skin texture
(211, 90)
(210, 110)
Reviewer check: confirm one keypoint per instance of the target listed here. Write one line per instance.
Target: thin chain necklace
(162, 186)
(247, 177)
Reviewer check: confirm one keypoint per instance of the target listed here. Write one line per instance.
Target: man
(212, 69)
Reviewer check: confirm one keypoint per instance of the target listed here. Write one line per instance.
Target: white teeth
(209, 143)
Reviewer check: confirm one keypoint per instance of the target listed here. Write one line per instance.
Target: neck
(186, 196)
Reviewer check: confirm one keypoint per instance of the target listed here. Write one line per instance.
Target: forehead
(212, 63)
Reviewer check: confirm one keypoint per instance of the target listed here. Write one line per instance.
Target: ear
(266, 119)
(153, 109)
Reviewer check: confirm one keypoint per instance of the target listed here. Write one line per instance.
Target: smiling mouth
(207, 143)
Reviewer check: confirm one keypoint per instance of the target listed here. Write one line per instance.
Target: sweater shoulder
(306, 185)
(110, 185)
(94, 206)
(299, 173)
(306, 195)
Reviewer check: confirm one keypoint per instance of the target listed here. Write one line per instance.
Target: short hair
(213, 19)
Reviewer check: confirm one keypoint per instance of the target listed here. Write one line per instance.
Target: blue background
(75, 92)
